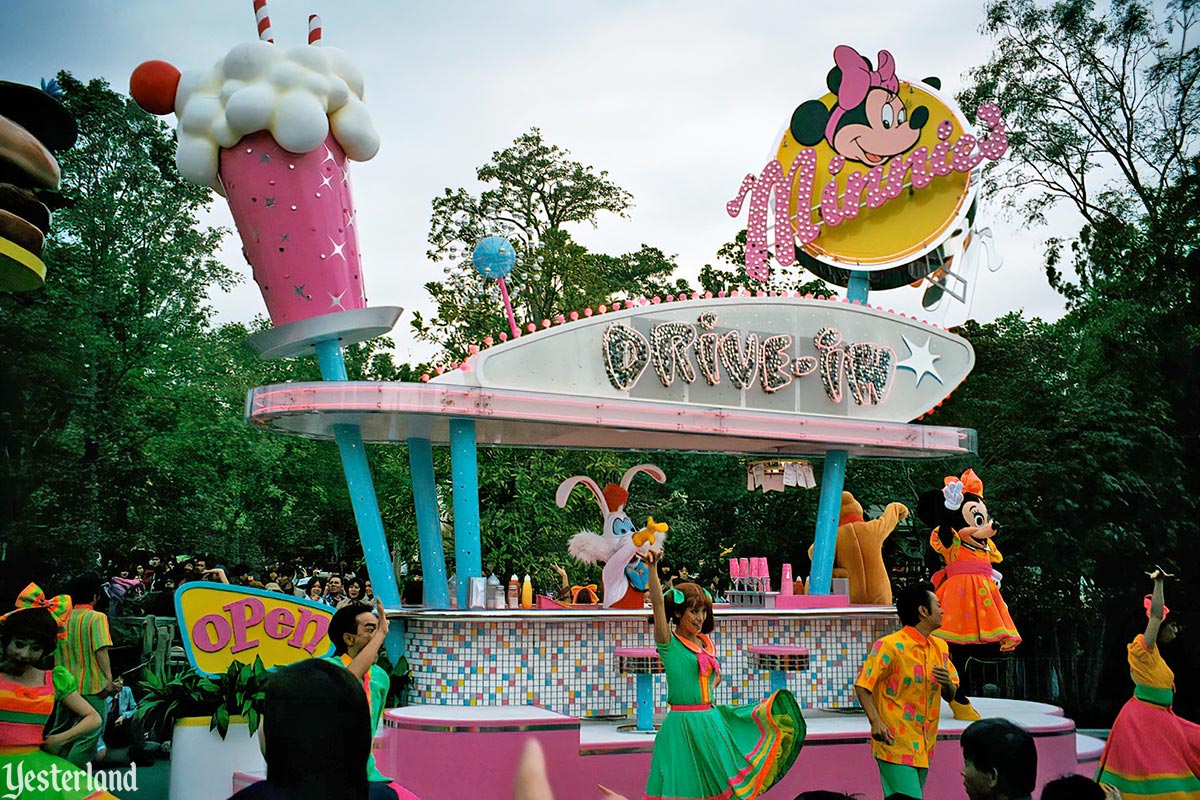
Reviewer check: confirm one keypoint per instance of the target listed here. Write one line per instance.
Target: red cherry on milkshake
(153, 85)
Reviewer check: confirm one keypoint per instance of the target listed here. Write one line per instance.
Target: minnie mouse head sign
(880, 171)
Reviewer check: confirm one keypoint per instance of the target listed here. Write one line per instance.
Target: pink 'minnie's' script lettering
(880, 187)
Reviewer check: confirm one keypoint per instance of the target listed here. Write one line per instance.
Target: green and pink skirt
(1151, 754)
(725, 752)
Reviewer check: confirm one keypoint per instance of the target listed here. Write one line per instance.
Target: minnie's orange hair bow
(970, 482)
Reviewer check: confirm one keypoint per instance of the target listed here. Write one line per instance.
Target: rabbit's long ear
(649, 469)
(564, 491)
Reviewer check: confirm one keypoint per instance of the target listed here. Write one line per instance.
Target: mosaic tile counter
(563, 660)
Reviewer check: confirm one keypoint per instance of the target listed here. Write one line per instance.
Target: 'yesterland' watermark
(37, 782)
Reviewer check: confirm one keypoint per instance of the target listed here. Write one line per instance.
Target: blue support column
(429, 523)
(778, 681)
(833, 479)
(645, 702)
(464, 468)
(364, 502)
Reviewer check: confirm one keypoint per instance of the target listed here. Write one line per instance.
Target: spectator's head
(333, 587)
(688, 597)
(352, 627)
(273, 587)
(314, 589)
(242, 574)
(916, 604)
(169, 582)
(414, 591)
(354, 589)
(285, 584)
(309, 761)
(1072, 787)
(84, 589)
(999, 760)
(367, 589)
(27, 638)
(201, 563)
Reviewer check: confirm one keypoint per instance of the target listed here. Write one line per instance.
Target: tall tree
(1105, 112)
(535, 194)
(92, 362)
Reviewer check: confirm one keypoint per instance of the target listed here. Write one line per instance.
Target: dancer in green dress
(705, 751)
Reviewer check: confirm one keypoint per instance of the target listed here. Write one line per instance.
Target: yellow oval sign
(222, 624)
(898, 231)
(870, 176)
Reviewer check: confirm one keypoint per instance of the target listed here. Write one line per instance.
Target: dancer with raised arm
(1151, 753)
(705, 750)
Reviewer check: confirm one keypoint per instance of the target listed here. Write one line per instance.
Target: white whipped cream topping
(297, 93)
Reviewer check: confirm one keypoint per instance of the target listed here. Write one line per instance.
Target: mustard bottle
(527, 592)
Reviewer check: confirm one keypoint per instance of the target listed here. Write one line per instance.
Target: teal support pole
(778, 681)
(429, 523)
(645, 702)
(364, 502)
(464, 466)
(833, 479)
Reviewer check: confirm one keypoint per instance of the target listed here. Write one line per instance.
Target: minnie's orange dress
(973, 612)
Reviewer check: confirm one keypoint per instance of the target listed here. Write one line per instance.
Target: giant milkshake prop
(271, 128)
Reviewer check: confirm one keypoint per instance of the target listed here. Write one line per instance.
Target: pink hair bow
(708, 663)
(857, 79)
(1148, 601)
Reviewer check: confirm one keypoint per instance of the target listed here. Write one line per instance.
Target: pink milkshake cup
(295, 215)
(272, 127)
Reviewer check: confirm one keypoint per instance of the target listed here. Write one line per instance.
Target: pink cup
(744, 567)
(296, 218)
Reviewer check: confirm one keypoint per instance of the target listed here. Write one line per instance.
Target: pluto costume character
(858, 554)
(974, 613)
(620, 548)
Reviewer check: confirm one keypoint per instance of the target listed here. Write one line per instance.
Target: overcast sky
(677, 100)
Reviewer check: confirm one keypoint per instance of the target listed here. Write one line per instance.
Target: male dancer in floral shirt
(901, 687)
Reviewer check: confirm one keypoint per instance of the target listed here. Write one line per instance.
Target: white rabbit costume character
(620, 548)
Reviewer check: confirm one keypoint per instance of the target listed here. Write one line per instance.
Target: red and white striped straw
(314, 29)
(264, 21)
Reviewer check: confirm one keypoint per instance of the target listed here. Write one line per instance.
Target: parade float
(873, 186)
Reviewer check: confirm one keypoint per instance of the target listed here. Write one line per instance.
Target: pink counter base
(447, 752)
(296, 218)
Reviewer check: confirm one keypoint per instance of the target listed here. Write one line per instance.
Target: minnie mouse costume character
(869, 122)
(973, 612)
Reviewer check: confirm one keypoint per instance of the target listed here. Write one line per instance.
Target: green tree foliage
(535, 194)
(1104, 111)
(783, 279)
(93, 363)
(122, 407)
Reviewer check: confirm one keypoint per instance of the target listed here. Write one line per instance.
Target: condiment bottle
(514, 591)
(527, 592)
(785, 580)
(495, 595)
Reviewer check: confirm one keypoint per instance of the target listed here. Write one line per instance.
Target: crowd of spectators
(146, 584)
